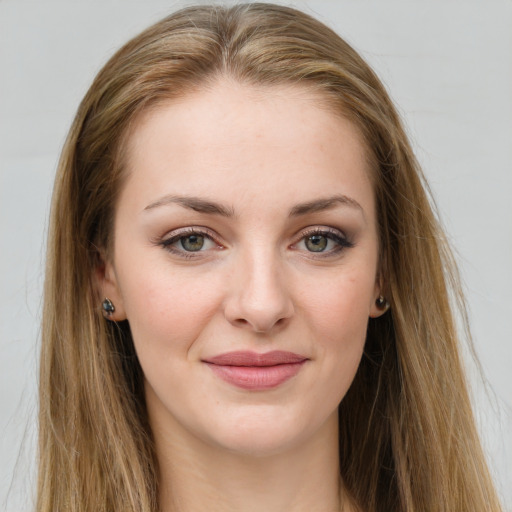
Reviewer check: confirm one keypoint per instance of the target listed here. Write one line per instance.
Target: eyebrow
(323, 204)
(210, 207)
(193, 203)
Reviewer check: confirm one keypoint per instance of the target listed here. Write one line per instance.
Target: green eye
(316, 243)
(192, 243)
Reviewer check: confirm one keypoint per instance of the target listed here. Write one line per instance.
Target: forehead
(236, 140)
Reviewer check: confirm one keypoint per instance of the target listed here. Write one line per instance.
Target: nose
(259, 298)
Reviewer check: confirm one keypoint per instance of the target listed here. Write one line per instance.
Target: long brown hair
(407, 436)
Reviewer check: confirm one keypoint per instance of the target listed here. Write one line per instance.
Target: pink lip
(250, 370)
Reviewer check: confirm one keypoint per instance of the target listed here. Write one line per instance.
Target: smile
(250, 370)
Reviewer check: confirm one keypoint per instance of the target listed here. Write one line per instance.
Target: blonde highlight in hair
(408, 441)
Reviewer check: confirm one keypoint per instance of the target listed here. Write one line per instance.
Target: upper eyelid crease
(184, 232)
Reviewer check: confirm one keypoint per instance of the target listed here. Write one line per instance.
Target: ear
(106, 283)
(379, 304)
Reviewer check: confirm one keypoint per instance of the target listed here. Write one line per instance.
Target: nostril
(260, 326)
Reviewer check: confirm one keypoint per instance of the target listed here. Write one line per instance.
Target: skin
(255, 285)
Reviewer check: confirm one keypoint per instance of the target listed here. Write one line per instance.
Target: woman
(247, 296)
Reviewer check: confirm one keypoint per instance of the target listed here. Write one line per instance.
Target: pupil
(316, 243)
(192, 242)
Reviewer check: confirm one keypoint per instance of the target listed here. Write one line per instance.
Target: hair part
(408, 441)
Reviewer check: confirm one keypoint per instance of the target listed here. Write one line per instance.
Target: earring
(108, 307)
(382, 303)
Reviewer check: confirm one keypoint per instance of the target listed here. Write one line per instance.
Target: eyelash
(342, 242)
(167, 244)
(331, 234)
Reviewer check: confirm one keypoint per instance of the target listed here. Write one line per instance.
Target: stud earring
(108, 307)
(382, 303)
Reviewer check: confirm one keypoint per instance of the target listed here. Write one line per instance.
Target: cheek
(338, 317)
(166, 309)
(341, 307)
(344, 327)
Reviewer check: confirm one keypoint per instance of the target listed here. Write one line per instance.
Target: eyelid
(321, 230)
(172, 237)
(189, 230)
(334, 234)
(313, 230)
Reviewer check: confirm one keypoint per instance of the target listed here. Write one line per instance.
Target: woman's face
(245, 261)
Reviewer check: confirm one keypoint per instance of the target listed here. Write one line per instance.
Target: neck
(196, 476)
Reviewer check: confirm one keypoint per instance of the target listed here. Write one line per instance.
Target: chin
(264, 434)
(257, 444)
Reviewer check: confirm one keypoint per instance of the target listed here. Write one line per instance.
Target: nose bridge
(260, 298)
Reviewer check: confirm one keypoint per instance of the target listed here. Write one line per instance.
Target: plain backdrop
(448, 66)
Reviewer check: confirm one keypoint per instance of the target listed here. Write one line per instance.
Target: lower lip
(257, 377)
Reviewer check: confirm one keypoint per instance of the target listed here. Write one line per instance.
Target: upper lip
(248, 358)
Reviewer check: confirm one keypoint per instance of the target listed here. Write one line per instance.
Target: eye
(316, 243)
(192, 242)
(323, 241)
(188, 241)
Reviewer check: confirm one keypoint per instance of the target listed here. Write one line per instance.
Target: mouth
(253, 371)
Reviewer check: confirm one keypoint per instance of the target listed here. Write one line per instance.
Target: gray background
(448, 65)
